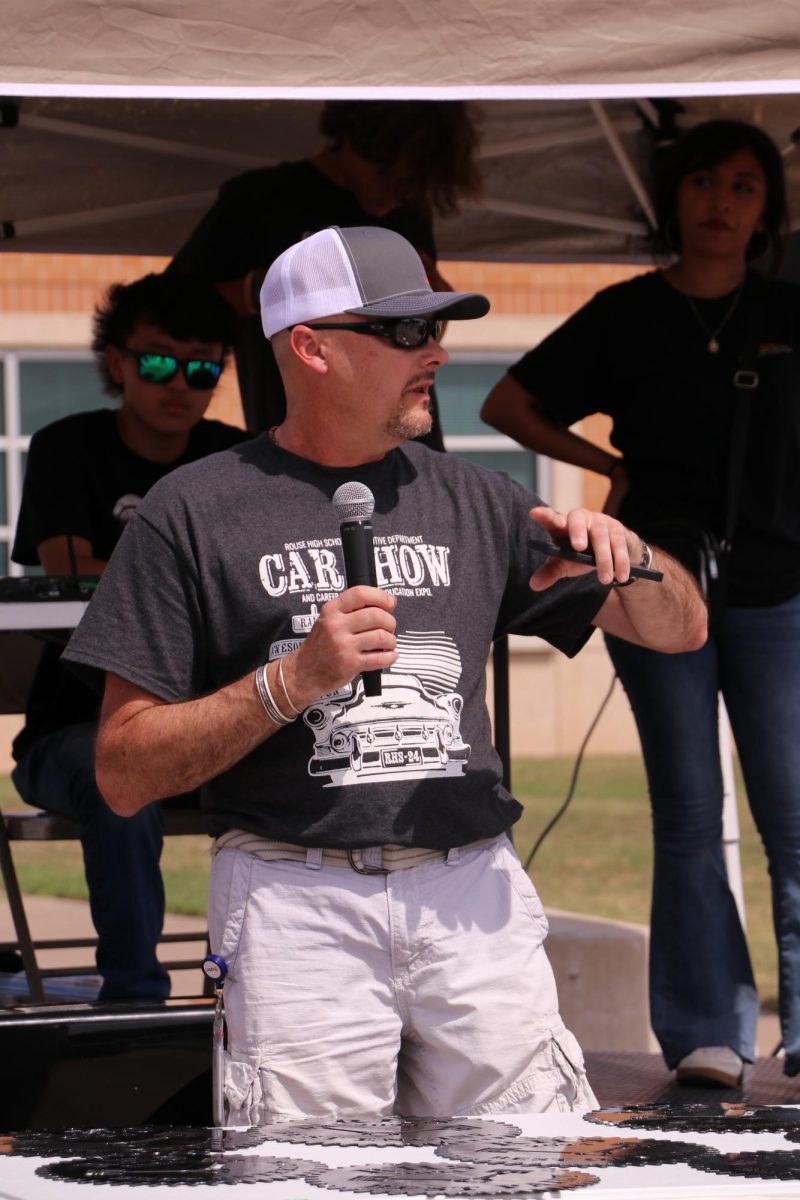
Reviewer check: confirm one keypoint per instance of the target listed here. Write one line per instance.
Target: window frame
(490, 440)
(13, 443)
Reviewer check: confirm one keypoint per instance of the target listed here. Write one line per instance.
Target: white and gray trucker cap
(366, 270)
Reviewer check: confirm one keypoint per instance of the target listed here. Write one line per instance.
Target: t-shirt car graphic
(405, 733)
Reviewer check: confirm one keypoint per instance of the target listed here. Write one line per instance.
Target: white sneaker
(711, 1065)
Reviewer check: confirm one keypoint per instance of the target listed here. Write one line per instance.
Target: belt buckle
(365, 868)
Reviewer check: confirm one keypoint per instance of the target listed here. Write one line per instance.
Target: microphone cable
(573, 781)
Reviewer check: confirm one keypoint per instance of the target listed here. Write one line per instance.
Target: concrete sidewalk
(51, 917)
(601, 970)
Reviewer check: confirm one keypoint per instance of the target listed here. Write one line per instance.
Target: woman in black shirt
(659, 354)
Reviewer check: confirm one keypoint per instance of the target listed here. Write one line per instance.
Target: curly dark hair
(708, 145)
(426, 146)
(183, 306)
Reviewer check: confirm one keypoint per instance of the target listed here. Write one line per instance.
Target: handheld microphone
(355, 504)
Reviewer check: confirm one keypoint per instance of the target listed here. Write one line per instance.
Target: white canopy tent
(500, 49)
(122, 119)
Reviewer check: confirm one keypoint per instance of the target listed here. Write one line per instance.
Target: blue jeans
(701, 983)
(121, 857)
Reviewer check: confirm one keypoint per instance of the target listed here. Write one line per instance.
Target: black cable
(571, 790)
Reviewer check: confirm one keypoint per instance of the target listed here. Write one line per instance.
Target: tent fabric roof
(135, 176)
(124, 117)
(472, 46)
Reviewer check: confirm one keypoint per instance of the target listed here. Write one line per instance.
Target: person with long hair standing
(391, 163)
(665, 354)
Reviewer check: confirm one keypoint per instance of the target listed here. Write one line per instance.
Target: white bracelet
(295, 710)
(267, 699)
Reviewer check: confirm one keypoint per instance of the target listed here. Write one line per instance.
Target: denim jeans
(121, 857)
(701, 983)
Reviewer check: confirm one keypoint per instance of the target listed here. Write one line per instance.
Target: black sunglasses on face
(407, 333)
(162, 368)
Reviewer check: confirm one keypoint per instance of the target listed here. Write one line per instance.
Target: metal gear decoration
(71, 1143)
(388, 1131)
(751, 1164)
(575, 1153)
(726, 1117)
(170, 1170)
(458, 1179)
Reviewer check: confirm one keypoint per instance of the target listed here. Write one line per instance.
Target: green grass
(596, 860)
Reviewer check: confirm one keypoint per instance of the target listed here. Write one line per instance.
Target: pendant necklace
(712, 346)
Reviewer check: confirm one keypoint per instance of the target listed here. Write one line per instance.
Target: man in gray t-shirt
(383, 945)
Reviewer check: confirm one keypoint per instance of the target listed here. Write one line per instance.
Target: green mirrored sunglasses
(162, 368)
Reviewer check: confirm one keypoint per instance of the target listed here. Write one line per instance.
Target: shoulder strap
(745, 381)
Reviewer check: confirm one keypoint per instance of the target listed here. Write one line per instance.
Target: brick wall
(72, 283)
(66, 283)
(520, 289)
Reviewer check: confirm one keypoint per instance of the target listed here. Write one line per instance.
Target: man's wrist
(268, 695)
(645, 560)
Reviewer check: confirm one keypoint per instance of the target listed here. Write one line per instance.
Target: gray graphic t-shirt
(228, 562)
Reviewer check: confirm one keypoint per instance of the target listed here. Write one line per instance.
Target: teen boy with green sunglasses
(160, 345)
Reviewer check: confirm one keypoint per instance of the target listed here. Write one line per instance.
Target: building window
(36, 387)
(461, 387)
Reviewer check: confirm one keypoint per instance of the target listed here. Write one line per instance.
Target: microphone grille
(353, 502)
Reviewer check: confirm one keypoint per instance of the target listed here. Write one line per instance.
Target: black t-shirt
(256, 217)
(638, 352)
(227, 564)
(82, 479)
